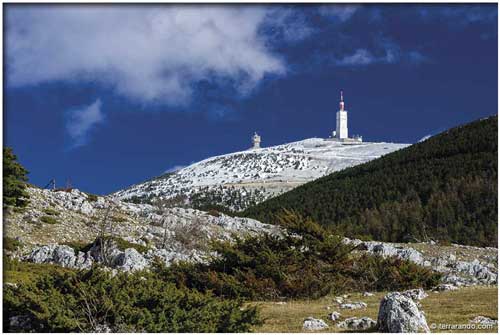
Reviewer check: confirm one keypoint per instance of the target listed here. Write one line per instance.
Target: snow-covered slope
(240, 179)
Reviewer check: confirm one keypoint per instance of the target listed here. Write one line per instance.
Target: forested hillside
(444, 188)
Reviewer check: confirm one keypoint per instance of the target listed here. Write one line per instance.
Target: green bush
(11, 244)
(139, 302)
(79, 246)
(373, 273)
(50, 211)
(119, 242)
(22, 272)
(92, 197)
(307, 262)
(122, 245)
(118, 219)
(14, 180)
(48, 219)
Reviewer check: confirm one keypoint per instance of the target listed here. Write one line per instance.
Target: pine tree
(14, 180)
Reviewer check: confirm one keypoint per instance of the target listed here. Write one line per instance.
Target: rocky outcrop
(353, 305)
(354, 323)
(398, 313)
(389, 250)
(76, 216)
(62, 255)
(130, 260)
(458, 272)
(169, 256)
(312, 324)
(477, 270)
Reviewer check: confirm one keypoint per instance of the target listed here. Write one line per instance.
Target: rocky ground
(54, 219)
(55, 223)
(460, 265)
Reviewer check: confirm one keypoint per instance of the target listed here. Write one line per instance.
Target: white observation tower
(341, 131)
(256, 141)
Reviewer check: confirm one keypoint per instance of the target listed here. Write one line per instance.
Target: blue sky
(112, 95)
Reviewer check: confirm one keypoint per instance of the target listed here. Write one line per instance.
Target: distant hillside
(444, 188)
(239, 180)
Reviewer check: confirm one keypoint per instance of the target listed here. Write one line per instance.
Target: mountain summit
(241, 179)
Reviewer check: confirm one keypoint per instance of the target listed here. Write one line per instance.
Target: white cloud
(145, 53)
(359, 57)
(339, 12)
(365, 57)
(460, 14)
(81, 121)
(287, 24)
(388, 53)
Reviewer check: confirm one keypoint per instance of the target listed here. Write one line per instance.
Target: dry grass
(453, 307)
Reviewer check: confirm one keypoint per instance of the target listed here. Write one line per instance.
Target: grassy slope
(442, 188)
(452, 307)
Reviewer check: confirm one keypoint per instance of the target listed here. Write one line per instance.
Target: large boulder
(312, 324)
(354, 323)
(130, 260)
(398, 313)
(64, 255)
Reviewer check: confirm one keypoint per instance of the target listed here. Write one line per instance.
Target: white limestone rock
(62, 255)
(400, 314)
(86, 208)
(354, 323)
(84, 260)
(483, 320)
(444, 287)
(478, 270)
(102, 328)
(130, 260)
(42, 254)
(353, 305)
(334, 316)
(312, 324)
